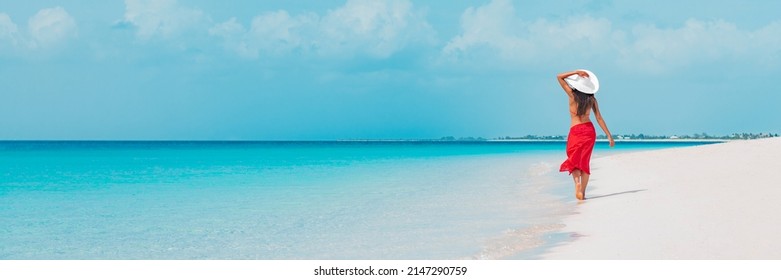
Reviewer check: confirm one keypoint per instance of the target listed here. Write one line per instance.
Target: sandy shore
(718, 201)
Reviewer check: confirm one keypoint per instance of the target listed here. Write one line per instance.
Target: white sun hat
(588, 85)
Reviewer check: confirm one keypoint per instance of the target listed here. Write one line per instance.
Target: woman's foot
(579, 193)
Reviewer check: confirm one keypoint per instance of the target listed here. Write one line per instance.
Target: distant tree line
(704, 136)
(451, 138)
(641, 136)
(533, 137)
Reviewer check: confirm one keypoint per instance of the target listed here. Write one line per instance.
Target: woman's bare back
(573, 114)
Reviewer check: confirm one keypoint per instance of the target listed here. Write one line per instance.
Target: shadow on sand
(612, 194)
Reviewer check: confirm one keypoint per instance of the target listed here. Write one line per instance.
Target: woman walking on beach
(580, 86)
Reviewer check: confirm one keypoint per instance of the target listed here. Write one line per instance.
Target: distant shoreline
(620, 140)
(536, 140)
(382, 140)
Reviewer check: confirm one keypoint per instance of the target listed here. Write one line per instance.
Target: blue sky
(381, 69)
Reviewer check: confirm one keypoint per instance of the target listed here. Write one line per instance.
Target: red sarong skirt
(580, 144)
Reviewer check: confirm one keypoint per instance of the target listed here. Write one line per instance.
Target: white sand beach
(719, 201)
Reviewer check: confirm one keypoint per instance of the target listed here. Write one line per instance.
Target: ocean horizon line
(528, 138)
(357, 140)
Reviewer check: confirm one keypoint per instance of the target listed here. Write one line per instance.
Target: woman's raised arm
(564, 84)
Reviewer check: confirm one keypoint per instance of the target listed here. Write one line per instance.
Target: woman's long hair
(585, 101)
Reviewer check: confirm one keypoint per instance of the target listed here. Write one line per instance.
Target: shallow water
(281, 200)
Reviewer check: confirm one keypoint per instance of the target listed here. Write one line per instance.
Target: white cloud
(274, 32)
(496, 27)
(8, 32)
(495, 30)
(699, 41)
(233, 34)
(51, 26)
(8, 29)
(160, 18)
(46, 29)
(379, 28)
(768, 42)
(490, 25)
(278, 30)
(374, 28)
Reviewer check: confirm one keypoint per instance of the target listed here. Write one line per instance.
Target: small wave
(516, 241)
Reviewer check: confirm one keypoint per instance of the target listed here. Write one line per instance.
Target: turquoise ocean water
(284, 200)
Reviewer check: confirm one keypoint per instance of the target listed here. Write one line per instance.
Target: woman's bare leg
(583, 183)
(577, 177)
